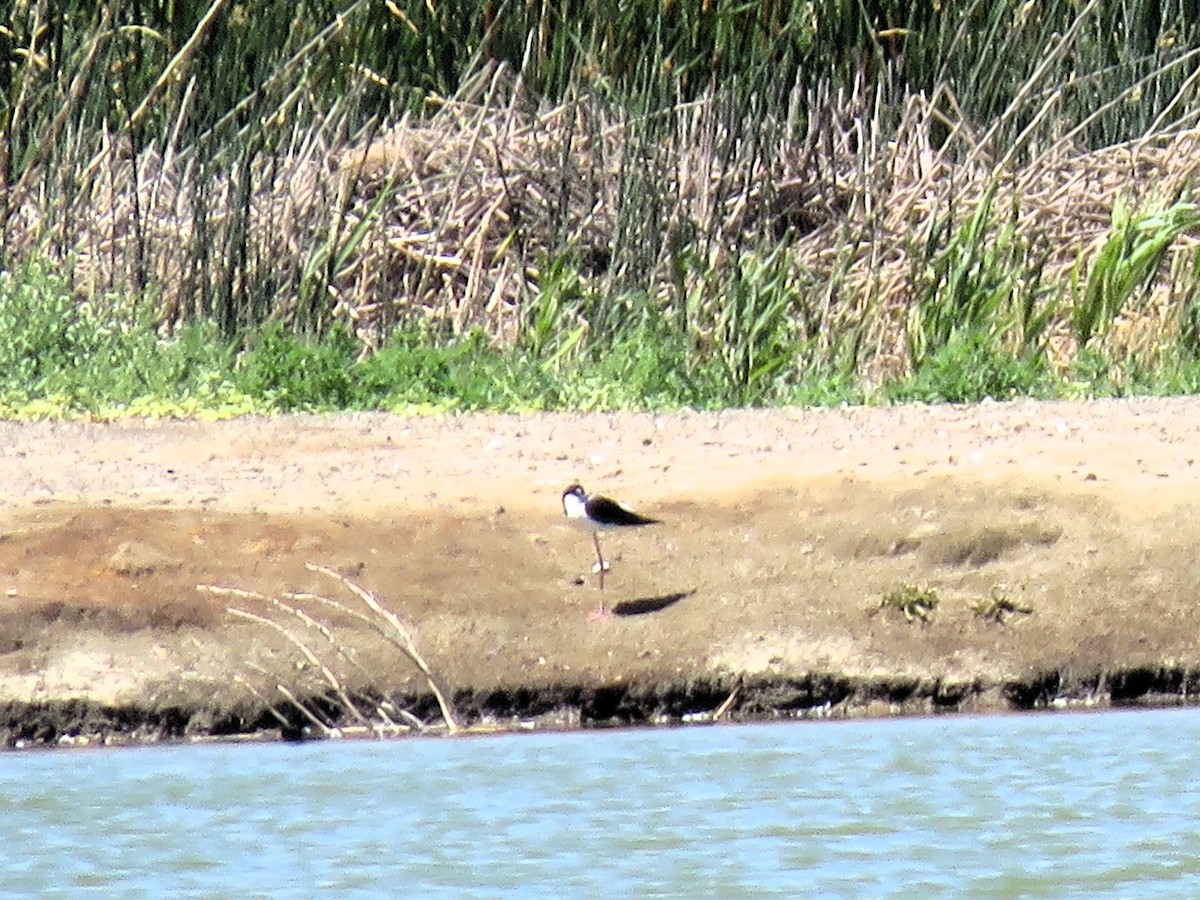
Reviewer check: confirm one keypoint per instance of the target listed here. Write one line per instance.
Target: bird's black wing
(610, 512)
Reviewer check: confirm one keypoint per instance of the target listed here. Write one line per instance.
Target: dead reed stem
(308, 654)
(400, 637)
(448, 220)
(382, 620)
(727, 704)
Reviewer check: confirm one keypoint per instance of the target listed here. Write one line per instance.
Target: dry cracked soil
(758, 596)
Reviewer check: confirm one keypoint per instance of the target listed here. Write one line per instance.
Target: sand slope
(783, 530)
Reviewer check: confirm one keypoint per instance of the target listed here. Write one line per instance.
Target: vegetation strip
(484, 207)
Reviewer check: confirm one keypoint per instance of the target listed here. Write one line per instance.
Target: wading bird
(598, 514)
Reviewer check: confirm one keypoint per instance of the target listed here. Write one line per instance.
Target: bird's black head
(574, 502)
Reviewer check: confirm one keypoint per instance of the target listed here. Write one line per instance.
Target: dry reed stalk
(344, 652)
(399, 635)
(494, 182)
(330, 678)
(276, 714)
(386, 623)
(388, 725)
(168, 73)
(728, 702)
(288, 695)
(325, 729)
(74, 95)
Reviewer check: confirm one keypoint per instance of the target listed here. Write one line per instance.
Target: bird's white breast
(574, 507)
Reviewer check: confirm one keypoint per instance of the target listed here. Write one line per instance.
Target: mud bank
(75, 723)
(758, 598)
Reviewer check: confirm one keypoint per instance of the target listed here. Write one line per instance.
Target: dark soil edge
(567, 707)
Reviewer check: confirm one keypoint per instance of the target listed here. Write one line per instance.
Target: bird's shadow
(644, 605)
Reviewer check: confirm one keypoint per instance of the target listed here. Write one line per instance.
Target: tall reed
(388, 166)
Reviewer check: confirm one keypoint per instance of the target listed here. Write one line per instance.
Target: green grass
(1126, 264)
(60, 357)
(970, 367)
(980, 282)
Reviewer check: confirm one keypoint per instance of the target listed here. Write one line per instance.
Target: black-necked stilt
(598, 514)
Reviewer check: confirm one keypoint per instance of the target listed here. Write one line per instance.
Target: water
(1030, 806)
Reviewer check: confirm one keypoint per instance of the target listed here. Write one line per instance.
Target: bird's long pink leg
(599, 558)
(601, 612)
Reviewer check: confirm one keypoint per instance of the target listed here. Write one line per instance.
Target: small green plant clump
(917, 604)
(998, 605)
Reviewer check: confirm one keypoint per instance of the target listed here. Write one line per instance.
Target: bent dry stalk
(382, 620)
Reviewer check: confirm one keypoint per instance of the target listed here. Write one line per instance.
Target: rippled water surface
(1032, 806)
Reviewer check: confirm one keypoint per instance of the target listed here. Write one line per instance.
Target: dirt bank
(783, 530)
